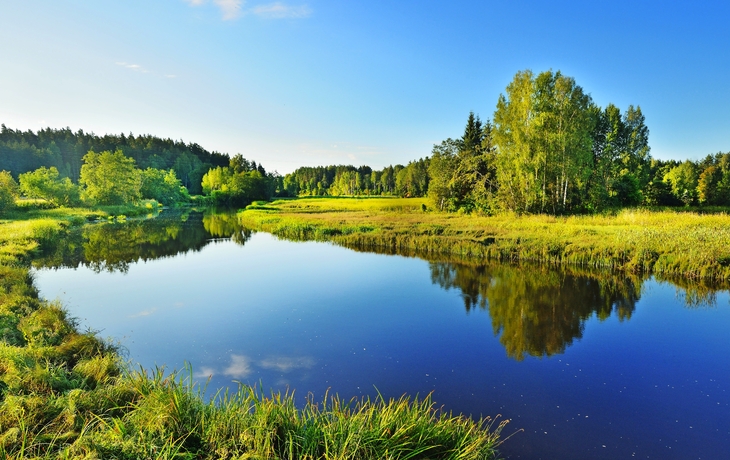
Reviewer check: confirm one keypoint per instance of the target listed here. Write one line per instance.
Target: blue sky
(310, 82)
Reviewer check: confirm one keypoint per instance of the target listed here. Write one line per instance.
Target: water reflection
(113, 246)
(535, 310)
(241, 366)
(538, 311)
(226, 225)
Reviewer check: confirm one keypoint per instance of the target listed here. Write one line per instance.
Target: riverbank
(668, 244)
(64, 393)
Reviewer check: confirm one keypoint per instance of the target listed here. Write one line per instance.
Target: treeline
(112, 178)
(702, 182)
(407, 181)
(105, 178)
(241, 182)
(24, 151)
(549, 150)
(72, 169)
(552, 150)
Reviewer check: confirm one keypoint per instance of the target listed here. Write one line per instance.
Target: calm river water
(585, 365)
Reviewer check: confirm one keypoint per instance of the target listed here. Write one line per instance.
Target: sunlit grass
(154, 415)
(667, 243)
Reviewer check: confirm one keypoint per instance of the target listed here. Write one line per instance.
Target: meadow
(65, 393)
(669, 244)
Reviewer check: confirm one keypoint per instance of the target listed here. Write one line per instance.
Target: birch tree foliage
(513, 135)
(441, 170)
(543, 135)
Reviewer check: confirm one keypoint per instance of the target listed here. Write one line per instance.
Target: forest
(75, 169)
(548, 149)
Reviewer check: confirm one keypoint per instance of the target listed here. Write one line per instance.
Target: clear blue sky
(311, 82)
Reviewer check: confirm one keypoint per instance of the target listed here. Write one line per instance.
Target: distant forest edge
(548, 149)
(24, 151)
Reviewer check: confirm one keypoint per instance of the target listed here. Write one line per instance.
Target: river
(584, 364)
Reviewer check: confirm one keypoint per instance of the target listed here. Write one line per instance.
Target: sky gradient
(316, 82)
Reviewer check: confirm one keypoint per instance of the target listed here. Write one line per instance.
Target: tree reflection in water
(536, 310)
(113, 247)
(226, 225)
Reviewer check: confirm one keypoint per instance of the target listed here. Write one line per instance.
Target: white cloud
(239, 367)
(231, 9)
(140, 69)
(135, 67)
(278, 10)
(286, 364)
(204, 373)
(143, 313)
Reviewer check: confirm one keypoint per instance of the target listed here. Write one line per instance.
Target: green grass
(666, 243)
(158, 416)
(67, 394)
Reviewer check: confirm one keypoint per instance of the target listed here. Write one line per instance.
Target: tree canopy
(46, 183)
(25, 151)
(110, 178)
(547, 149)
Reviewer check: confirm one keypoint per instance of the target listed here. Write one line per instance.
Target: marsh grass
(67, 394)
(664, 243)
(158, 415)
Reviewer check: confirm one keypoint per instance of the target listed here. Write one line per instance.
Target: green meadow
(676, 244)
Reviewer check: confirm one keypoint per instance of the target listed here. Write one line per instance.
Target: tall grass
(665, 243)
(154, 415)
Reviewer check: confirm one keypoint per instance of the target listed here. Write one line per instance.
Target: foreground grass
(669, 244)
(66, 394)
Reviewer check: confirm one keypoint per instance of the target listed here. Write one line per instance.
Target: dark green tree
(163, 186)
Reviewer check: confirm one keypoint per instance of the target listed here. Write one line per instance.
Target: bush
(8, 191)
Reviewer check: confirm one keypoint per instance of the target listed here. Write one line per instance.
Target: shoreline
(666, 244)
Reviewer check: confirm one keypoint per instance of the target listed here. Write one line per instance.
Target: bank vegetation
(663, 242)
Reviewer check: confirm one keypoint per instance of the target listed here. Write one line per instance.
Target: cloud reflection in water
(241, 366)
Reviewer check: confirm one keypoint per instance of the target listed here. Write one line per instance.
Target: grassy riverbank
(64, 393)
(664, 243)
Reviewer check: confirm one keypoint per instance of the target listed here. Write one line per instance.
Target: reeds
(154, 415)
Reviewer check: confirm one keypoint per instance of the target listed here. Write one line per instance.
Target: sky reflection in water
(590, 366)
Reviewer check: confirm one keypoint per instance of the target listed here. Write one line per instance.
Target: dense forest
(548, 149)
(24, 151)
(69, 169)
(342, 180)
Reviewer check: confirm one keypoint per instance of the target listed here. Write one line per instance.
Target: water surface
(589, 365)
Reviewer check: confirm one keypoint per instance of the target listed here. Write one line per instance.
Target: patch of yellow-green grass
(667, 243)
